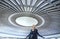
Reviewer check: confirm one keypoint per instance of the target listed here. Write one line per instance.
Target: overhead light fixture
(26, 21)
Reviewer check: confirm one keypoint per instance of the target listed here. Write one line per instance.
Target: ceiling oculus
(26, 21)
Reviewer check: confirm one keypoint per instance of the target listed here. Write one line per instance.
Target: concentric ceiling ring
(12, 18)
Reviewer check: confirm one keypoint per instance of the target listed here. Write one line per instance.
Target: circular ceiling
(45, 12)
(26, 19)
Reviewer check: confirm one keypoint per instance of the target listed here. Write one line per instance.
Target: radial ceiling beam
(2, 7)
(14, 2)
(7, 5)
(9, 2)
(37, 4)
(22, 5)
(43, 5)
(49, 6)
(18, 5)
(13, 5)
(52, 8)
(26, 4)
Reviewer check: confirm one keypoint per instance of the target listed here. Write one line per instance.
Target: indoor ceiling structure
(17, 17)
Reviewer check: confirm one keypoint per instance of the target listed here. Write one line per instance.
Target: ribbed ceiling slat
(21, 3)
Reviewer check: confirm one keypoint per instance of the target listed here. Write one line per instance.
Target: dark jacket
(33, 34)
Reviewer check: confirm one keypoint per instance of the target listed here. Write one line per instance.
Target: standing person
(33, 34)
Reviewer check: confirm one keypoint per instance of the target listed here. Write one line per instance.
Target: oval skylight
(26, 21)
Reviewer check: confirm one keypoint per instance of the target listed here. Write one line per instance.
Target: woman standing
(33, 34)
